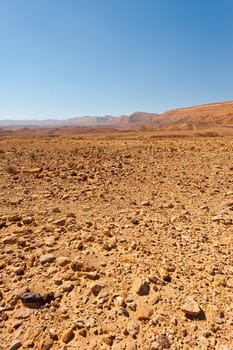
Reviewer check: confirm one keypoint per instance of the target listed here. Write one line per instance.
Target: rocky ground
(116, 244)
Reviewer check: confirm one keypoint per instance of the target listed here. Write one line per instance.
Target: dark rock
(32, 300)
(164, 343)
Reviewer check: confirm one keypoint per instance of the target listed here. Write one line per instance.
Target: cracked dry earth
(116, 244)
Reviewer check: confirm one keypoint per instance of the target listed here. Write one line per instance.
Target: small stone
(77, 265)
(35, 170)
(28, 220)
(92, 275)
(132, 306)
(67, 286)
(174, 321)
(80, 245)
(49, 241)
(63, 261)
(68, 335)
(47, 344)
(130, 345)
(164, 343)
(133, 328)
(96, 288)
(53, 334)
(29, 343)
(2, 264)
(91, 322)
(56, 210)
(9, 240)
(47, 258)
(165, 274)
(19, 271)
(207, 334)
(48, 297)
(79, 324)
(60, 222)
(21, 242)
(144, 312)
(108, 339)
(57, 280)
(146, 203)
(217, 218)
(14, 218)
(155, 345)
(22, 313)
(119, 301)
(191, 307)
(140, 287)
(15, 345)
(83, 332)
(71, 215)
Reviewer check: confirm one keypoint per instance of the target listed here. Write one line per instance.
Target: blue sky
(67, 58)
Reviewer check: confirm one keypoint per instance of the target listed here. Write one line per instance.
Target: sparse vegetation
(100, 149)
(33, 155)
(75, 151)
(10, 169)
(2, 153)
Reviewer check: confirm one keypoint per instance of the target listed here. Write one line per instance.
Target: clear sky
(67, 58)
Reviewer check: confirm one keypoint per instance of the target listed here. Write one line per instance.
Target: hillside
(215, 114)
(189, 118)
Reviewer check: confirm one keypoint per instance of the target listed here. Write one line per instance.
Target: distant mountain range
(191, 118)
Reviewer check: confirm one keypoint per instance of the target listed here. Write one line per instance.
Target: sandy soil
(131, 236)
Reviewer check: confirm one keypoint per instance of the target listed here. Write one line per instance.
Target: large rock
(32, 300)
(47, 258)
(191, 307)
(68, 335)
(15, 345)
(141, 287)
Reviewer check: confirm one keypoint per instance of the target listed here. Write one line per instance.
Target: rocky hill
(215, 114)
(190, 118)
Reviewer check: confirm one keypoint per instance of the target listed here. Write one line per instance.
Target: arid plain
(116, 241)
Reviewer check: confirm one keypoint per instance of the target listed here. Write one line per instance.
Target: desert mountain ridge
(188, 118)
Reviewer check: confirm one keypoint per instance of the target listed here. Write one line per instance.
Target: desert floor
(131, 235)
